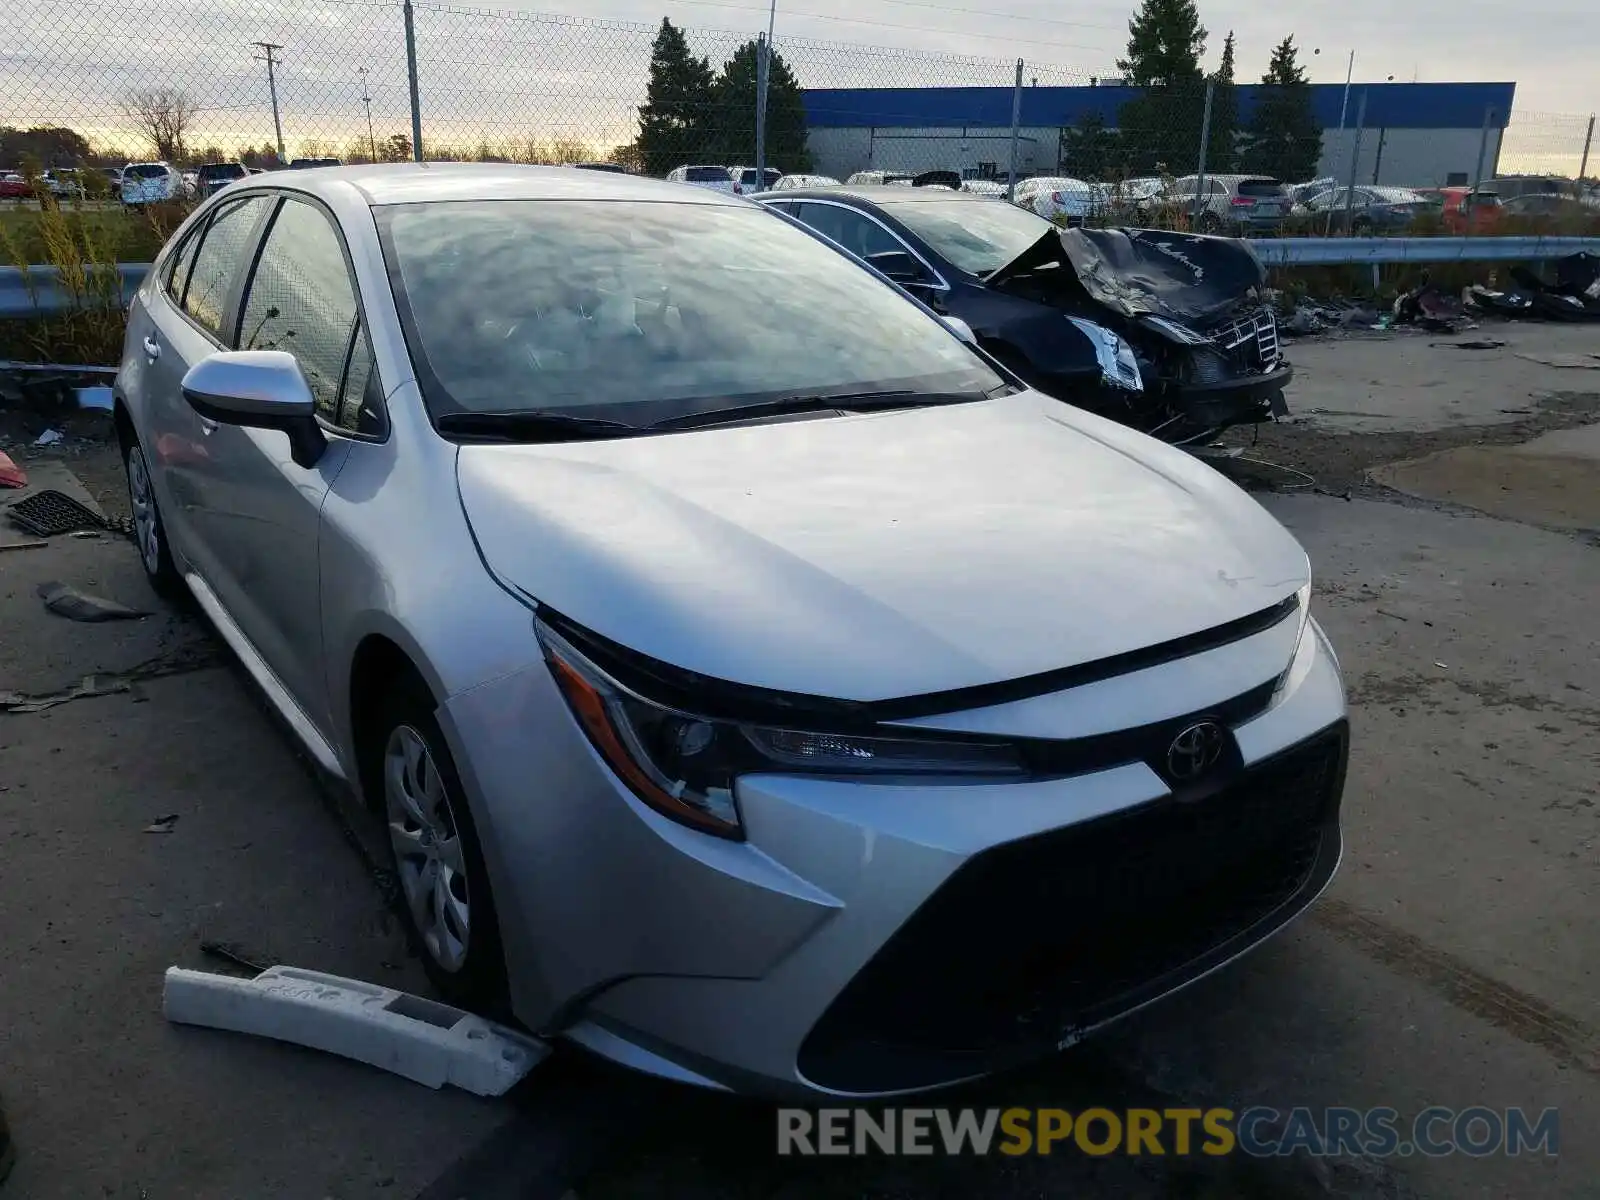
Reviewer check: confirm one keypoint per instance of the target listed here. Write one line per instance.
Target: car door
(178, 322)
(262, 516)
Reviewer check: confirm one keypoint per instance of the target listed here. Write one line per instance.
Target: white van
(718, 179)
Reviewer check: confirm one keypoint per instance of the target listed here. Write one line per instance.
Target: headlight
(1118, 367)
(684, 765)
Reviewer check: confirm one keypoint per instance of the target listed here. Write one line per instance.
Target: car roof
(417, 183)
(882, 194)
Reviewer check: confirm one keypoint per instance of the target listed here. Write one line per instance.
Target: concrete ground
(1453, 962)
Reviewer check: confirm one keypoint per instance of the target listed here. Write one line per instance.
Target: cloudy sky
(513, 75)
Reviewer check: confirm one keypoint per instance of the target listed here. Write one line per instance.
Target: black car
(1166, 332)
(212, 177)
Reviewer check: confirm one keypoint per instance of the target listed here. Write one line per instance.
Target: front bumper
(1232, 401)
(874, 938)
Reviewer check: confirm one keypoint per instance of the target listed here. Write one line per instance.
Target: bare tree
(162, 116)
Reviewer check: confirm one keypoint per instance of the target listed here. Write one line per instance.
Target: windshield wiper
(533, 425)
(815, 402)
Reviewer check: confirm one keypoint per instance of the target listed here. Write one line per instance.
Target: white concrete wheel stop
(409, 1035)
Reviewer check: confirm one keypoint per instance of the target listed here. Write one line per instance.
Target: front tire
(149, 533)
(436, 856)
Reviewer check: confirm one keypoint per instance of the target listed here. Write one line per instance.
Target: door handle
(152, 348)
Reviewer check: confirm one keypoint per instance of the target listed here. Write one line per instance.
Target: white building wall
(842, 152)
(1414, 157)
(1409, 157)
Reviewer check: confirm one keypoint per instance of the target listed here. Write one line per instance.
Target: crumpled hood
(1183, 277)
(876, 556)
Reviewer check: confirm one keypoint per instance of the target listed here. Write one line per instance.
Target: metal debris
(162, 824)
(92, 685)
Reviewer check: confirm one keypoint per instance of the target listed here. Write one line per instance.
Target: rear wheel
(436, 855)
(149, 534)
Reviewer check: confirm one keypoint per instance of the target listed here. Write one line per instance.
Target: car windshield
(976, 238)
(708, 175)
(640, 311)
(222, 171)
(145, 171)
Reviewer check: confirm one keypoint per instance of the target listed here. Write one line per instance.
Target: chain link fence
(204, 80)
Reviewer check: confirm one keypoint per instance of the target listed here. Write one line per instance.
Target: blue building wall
(1389, 105)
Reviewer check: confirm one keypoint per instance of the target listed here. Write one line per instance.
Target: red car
(1469, 211)
(15, 187)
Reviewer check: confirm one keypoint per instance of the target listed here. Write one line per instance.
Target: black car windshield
(642, 311)
(977, 236)
(222, 171)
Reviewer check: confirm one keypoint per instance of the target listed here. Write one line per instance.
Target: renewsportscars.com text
(1261, 1132)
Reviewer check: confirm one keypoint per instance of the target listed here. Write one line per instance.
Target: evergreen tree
(676, 119)
(1285, 137)
(1162, 126)
(735, 93)
(1222, 154)
(1090, 150)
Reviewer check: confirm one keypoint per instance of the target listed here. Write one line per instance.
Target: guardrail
(1359, 251)
(48, 296)
(36, 290)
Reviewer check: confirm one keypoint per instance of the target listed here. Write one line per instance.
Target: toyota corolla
(772, 695)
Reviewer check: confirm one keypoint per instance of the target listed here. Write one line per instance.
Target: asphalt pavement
(1452, 963)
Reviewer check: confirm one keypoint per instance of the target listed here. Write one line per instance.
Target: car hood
(1183, 277)
(876, 556)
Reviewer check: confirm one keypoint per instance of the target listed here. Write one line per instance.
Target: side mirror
(899, 266)
(261, 389)
(961, 329)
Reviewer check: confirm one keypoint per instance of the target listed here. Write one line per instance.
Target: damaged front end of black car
(1190, 311)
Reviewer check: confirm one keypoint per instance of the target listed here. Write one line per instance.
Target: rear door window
(1261, 189)
(858, 234)
(222, 260)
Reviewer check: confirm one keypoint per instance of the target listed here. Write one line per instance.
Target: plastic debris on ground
(91, 685)
(49, 437)
(162, 824)
(69, 602)
(11, 475)
(420, 1039)
(47, 513)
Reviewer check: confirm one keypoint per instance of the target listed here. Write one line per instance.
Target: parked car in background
(771, 696)
(305, 164)
(1164, 332)
(213, 177)
(610, 167)
(1547, 206)
(788, 182)
(878, 178)
(1370, 209)
(1299, 193)
(1057, 198)
(751, 181)
(716, 179)
(1125, 201)
(1237, 205)
(1464, 210)
(64, 183)
(1513, 187)
(14, 187)
(991, 188)
(150, 183)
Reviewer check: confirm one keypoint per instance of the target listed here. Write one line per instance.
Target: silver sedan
(774, 696)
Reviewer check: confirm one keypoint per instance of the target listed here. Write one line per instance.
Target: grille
(1251, 342)
(1032, 942)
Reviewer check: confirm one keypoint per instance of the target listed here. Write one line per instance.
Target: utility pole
(1016, 121)
(268, 50)
(1205, 145)
(763, 74)
(1583, 169)
(411, 72)
(1355, 162)
(366, 98)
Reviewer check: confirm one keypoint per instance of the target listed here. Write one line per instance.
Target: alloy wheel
(427, 848)
(141, 498)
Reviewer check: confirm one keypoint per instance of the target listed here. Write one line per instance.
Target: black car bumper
(1234, 400)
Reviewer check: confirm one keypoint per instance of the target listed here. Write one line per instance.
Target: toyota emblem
(1196, 750)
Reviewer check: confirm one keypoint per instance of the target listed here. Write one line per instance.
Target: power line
(992, 37)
